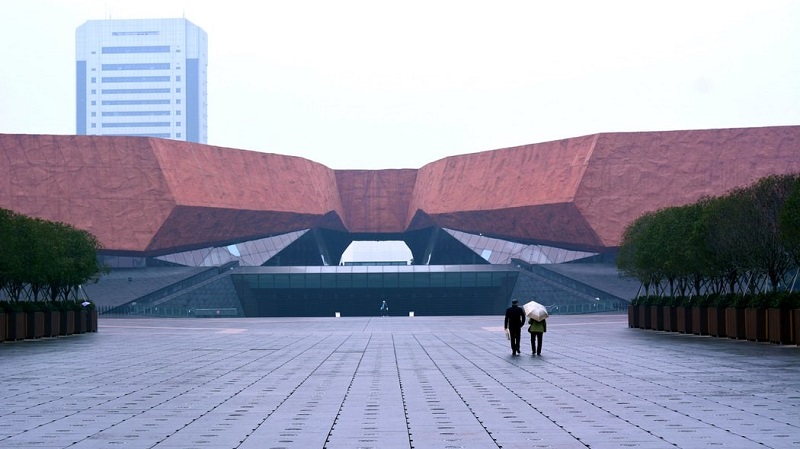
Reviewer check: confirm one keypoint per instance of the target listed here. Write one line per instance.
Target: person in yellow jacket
(537, 330)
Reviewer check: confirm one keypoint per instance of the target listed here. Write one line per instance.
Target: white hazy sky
(398, 84)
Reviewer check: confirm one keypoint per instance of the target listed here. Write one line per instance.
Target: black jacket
(515, 317)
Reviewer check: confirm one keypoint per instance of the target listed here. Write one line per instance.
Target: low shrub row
(774, 300)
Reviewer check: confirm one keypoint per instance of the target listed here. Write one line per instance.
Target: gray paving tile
(399, 382)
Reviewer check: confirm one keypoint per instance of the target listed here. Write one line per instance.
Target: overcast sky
(378, 84)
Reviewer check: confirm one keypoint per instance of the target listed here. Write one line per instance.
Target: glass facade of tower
(144, 77)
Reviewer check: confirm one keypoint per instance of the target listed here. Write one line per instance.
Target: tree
(638, 253)
(76, 261)
(730, 224)
(7, 235)
(789, 222)
(770, 256)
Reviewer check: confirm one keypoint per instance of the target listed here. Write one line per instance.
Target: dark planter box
(657, 318)
(35, 325)
(91, 321)
(670, 318)
(779, 326)
(80, 321)
(17, 323)
(3, 326)
(700, 320)
(52, 323)
(67, 322)
(644, 317)
(796, 326)
(755, 324)
(716, 322)
(684, 315)
(633, 316)
(734, 323)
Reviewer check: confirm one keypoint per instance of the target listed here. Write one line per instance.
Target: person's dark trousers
(515, 337)
(536, 337)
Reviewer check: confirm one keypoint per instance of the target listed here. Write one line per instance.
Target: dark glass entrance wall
(359, 290)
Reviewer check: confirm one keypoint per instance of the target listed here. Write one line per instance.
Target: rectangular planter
(716, 322)
(755, 324)
(700, 320)
(734, 323)
(644, 317)
(633, 316)
(684, 315)
(91, 321)
(778, 326)
(67, 322)
(52, 323)
(17, 324)
(657, 318)
(80, 321)
(795, 326)
(35, 327)
(670, 319)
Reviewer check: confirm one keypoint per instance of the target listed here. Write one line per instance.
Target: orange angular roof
(152, 196)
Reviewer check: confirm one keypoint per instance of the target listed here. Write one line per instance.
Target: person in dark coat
(515, 319)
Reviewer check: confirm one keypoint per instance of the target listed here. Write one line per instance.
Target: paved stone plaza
(395, 382)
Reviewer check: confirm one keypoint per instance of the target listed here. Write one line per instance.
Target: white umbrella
(535, 310)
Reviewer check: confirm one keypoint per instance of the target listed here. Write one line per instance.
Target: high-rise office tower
(144, 77)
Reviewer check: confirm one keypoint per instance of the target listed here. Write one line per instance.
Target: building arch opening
(388, 252)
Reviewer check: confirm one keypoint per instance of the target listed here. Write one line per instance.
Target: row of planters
(772, 317)
(22, 320)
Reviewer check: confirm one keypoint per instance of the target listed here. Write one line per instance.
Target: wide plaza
(394, 382)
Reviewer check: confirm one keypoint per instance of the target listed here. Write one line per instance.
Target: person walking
(515, 319)
(384, 308)
(537, 330)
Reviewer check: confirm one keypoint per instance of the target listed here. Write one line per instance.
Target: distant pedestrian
(537, 330)
(515, 319)
(384, 309)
